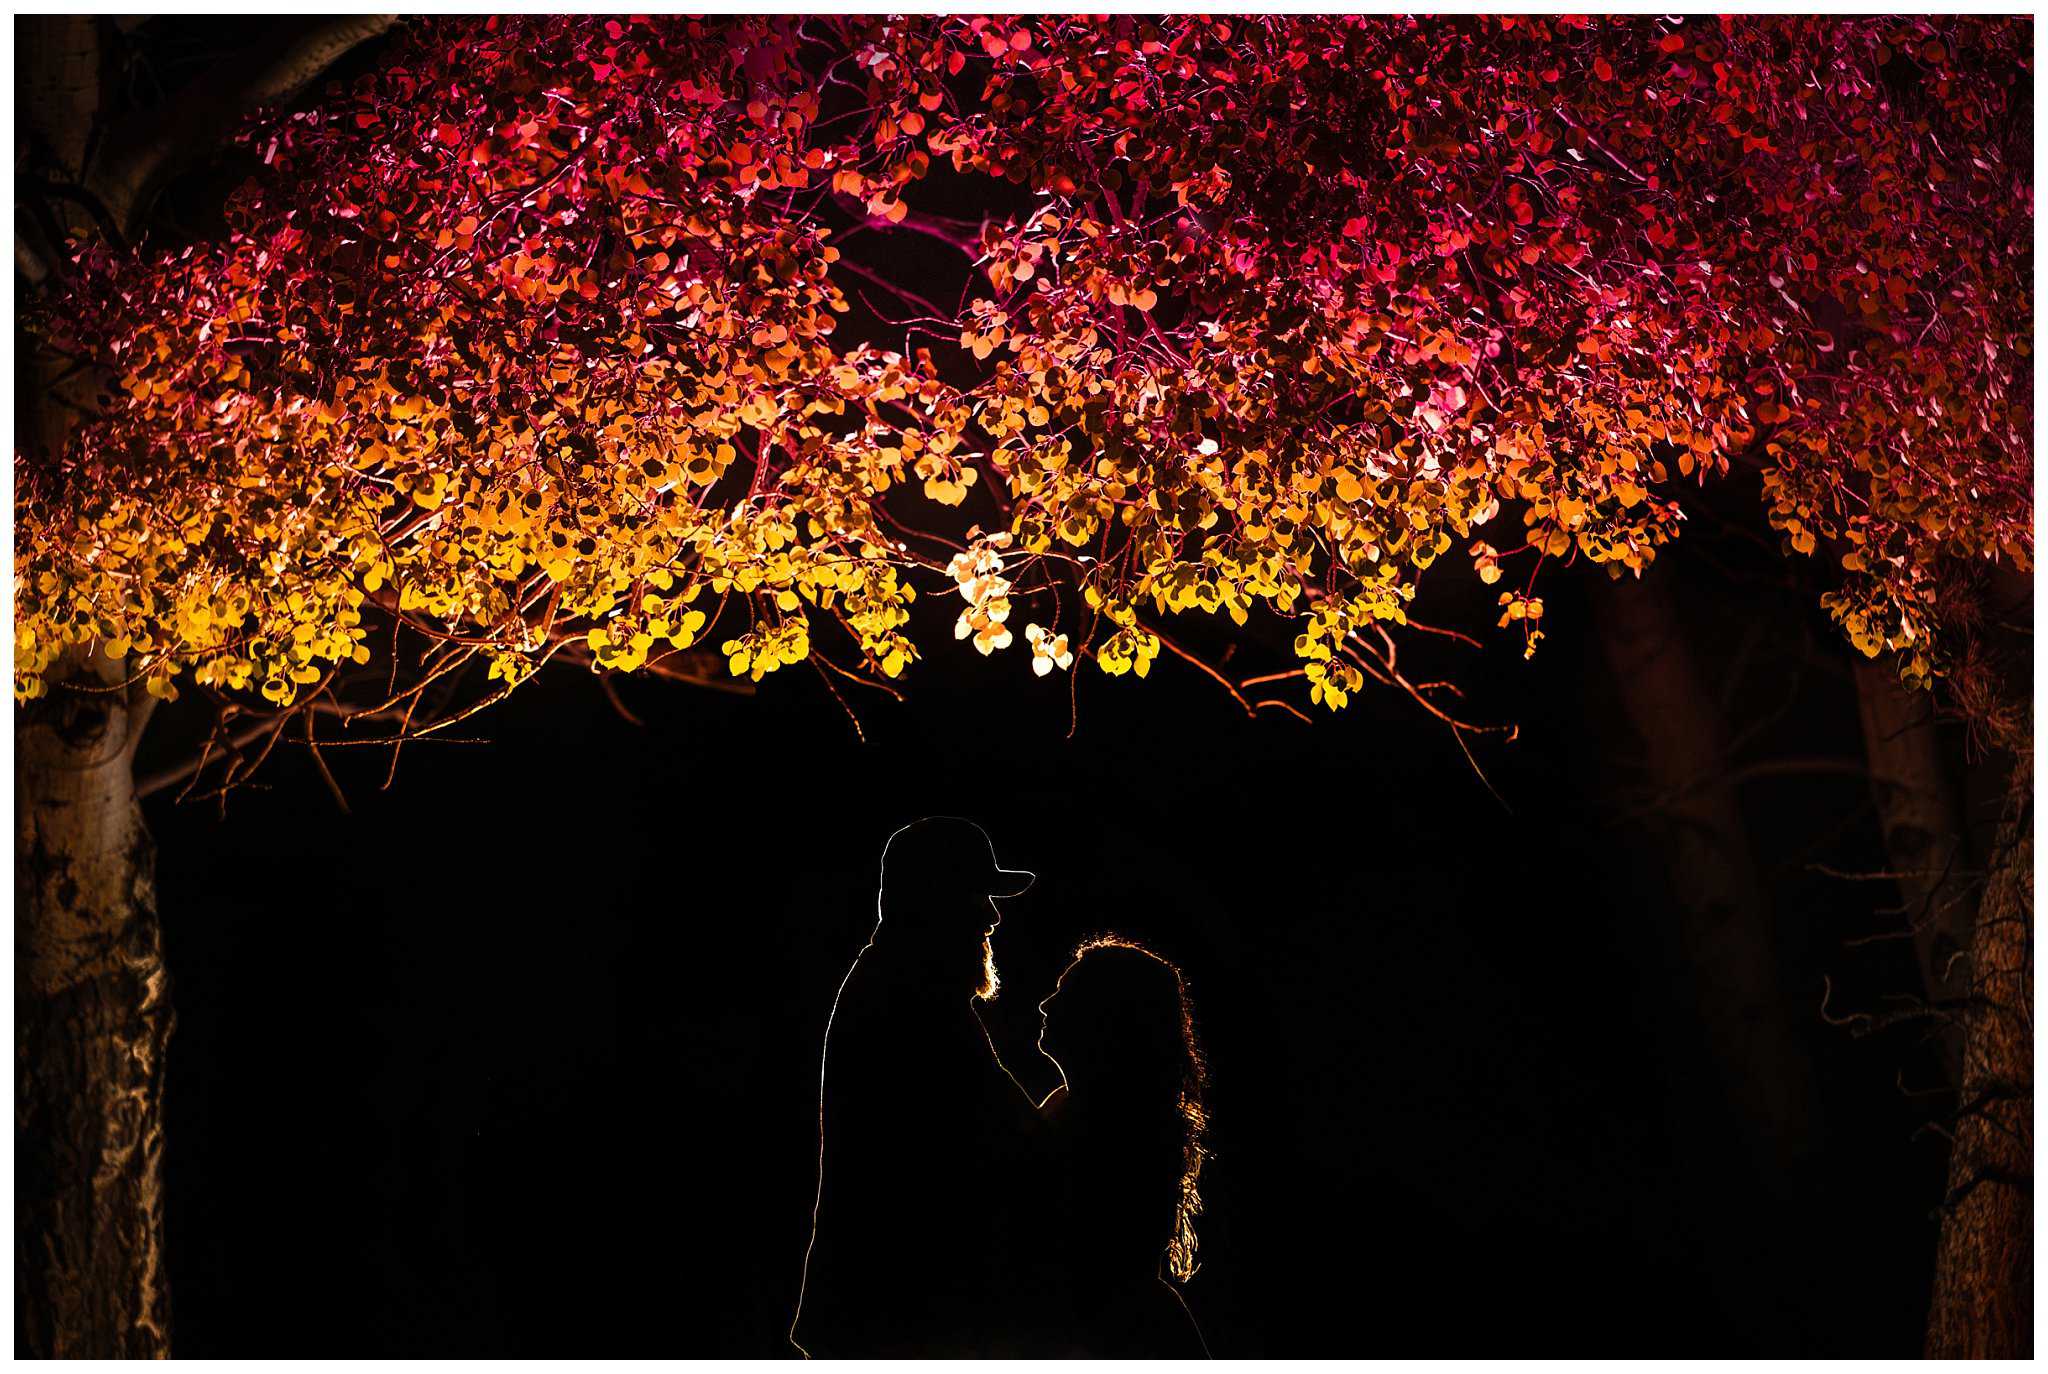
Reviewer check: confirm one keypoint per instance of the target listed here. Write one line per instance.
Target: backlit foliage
(532, 341)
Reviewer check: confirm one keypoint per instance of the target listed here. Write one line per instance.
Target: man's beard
(990, 983)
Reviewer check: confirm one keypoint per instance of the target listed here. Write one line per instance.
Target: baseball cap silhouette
(949, 852)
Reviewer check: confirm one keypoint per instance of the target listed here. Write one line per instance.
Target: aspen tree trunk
(92, 1014)
(92, 1022)
(1984, 1264)
(92, 1008)
(1724, 912)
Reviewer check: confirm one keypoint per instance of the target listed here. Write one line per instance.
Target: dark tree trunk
(1924, 837)
(92, 1020)
(1984, 1266)
(1724, 913)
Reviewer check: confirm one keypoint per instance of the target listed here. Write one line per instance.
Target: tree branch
(60, 86)
(146, 149)
(963, 235)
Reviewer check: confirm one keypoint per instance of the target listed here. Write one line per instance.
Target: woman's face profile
(1113, 1012)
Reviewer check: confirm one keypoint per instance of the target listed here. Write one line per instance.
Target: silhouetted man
(920, 1126)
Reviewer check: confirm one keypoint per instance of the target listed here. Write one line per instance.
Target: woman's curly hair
(1191, 1105)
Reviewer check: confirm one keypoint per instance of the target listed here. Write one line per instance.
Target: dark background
(519, 1057)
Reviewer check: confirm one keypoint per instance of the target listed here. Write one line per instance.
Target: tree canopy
(533, 342)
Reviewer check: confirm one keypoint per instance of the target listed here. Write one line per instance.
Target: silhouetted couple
(954, 1216)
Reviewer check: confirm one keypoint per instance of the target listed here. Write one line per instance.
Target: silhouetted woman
(1125, 1135)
